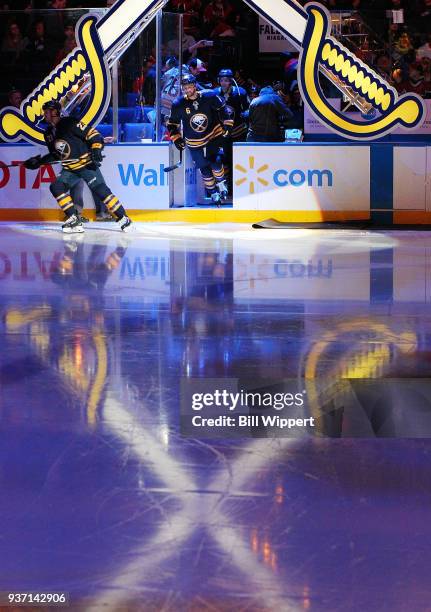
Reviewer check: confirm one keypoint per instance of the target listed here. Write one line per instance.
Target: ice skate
(125, 224)
(216, 199)
(223, 190)
(73, 225)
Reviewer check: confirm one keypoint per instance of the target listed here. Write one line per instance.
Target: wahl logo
(308, 28)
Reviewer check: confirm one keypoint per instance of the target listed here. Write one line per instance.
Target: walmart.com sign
(288, 177)
(281, 178)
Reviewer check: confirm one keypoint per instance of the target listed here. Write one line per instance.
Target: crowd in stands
(217, 33)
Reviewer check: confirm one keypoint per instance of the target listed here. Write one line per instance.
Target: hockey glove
(96, 156)
(33, 163)
(180, 143)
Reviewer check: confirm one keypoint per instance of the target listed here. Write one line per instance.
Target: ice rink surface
(103, 498)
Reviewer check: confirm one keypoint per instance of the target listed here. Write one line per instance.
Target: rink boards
(290, 182)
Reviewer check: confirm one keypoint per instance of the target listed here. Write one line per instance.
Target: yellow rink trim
(411, 217)
(196, 215)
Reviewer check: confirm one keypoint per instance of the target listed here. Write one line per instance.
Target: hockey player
(236, 101)
(79, 148)
(205, 124)
(237, 107)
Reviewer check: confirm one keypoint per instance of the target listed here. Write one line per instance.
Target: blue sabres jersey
(202, 120)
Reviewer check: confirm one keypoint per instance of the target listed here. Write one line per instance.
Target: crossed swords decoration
(101, 43)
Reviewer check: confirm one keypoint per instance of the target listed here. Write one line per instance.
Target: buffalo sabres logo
(62, 148)
(196, 105)
(199, 122)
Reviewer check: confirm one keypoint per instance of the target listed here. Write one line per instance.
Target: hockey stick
(47, 163)
(51, 163)
(175, 166)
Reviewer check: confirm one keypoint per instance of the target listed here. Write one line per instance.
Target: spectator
(384, 65)
(217, 10)
(425, 50)
(403, 46)
(217, 18)
(397, 78)
(415, 81)
(14, 43)
(267, 115)
(39, 52)
(190, 46)
(37, 37)
(197, 68)
(15, 97)
(68, 45)
(170, 85)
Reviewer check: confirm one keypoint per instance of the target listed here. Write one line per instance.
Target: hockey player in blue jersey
(200, 121)
(237, 104)
(79, 148)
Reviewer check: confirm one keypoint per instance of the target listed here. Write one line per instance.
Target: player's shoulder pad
(238, 91)
(209, 93)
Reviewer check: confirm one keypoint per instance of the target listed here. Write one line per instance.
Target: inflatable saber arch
(309, 29)
(86, 69)
(101, 43)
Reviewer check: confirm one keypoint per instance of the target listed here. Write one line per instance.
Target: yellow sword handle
(319, 47)
(88, 58)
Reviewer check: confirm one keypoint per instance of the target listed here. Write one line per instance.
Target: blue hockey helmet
(225, 73)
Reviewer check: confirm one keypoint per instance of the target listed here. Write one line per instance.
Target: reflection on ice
(118, 508)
